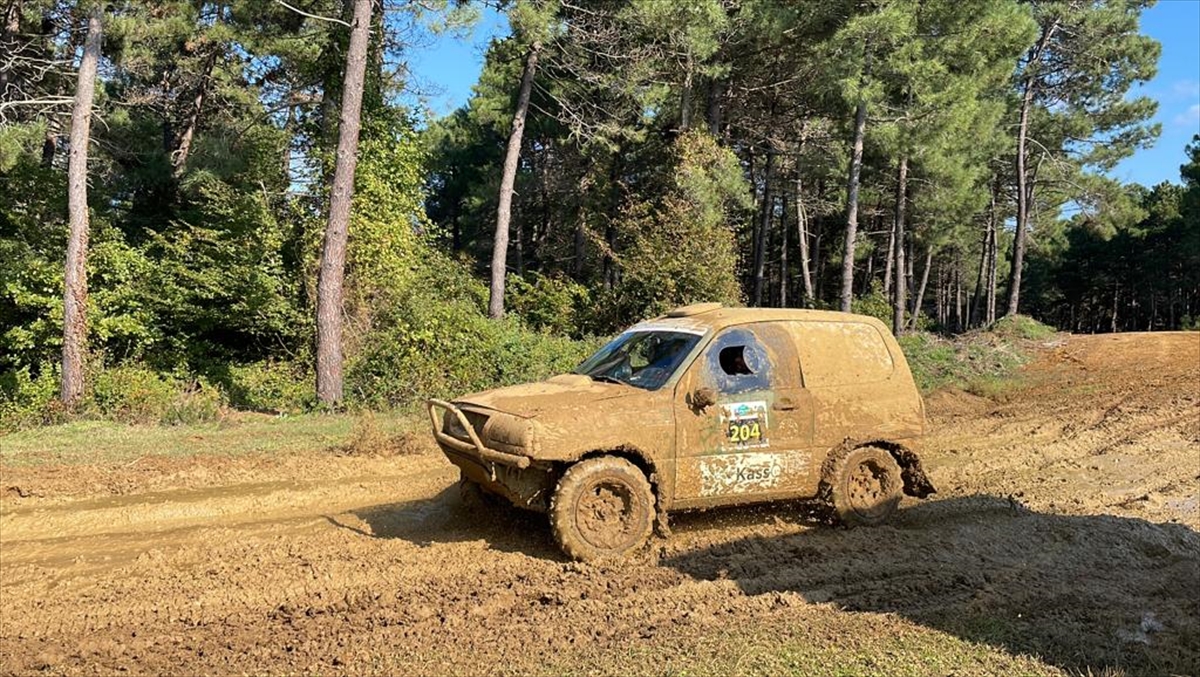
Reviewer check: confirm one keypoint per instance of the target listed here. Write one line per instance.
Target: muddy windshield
(645, 359)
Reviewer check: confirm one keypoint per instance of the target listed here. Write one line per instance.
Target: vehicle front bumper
(516, 477)
(473, 448)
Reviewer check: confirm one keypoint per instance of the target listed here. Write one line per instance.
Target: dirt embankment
(1064, 539)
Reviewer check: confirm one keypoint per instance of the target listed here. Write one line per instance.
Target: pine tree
(75, 279)
(333, 253)
(1074, 79)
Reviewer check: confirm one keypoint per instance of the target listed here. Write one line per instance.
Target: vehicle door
(743, 420)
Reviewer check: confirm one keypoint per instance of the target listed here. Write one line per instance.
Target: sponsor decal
(751, 472)
(745, 425)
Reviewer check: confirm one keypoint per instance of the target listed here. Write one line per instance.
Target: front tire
(863, 486)
(602, 508)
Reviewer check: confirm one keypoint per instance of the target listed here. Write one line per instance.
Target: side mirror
(704, 397)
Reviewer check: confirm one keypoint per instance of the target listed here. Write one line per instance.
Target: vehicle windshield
(645, 359)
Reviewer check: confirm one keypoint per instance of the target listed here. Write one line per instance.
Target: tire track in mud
(1119, 421)
(371, 566)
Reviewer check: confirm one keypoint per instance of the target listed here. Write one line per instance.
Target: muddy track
(1064, 539)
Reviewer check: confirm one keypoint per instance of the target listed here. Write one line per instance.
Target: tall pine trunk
(1014, 278)
(901, 290)
(333, 252)
(783, 252)
(991, 279)
(75, 279)
(890, 256)
(1023, 191)
(958, 292)
(939, 295)
(802, 235)
(920, 298)
(760, 234)
(331, 95)
(819, 263)
(977, 298)
(860, 129)
(512, 158)
(183, 147)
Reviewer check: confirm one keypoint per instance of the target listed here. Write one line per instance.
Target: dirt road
(1064, 538)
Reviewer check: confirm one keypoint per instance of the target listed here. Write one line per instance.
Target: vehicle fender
(660, 481)
(916, 482)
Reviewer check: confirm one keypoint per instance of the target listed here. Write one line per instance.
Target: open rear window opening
(737, 362)
(733, 361)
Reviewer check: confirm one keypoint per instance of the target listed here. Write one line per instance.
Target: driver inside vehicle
(645, 359)
(664, 355)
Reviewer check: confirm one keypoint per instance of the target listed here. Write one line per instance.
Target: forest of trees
(243, 201)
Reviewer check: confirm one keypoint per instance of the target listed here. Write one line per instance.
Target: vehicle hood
(554, 397)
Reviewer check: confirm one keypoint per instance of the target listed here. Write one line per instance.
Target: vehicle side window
(737, 362)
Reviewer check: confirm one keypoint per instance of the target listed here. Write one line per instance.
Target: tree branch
(313, 16)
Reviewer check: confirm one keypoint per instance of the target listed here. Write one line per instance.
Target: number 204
(745, 432)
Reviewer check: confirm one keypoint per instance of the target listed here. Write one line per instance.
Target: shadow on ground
(444, 519)
(1099, 594)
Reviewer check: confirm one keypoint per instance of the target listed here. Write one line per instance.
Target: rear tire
(862, 486)
(602, 508)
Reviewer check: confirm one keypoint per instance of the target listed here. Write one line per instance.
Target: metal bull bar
(475, 446)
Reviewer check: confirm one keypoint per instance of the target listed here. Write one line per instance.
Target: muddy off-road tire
(862, 486)
(603, 508)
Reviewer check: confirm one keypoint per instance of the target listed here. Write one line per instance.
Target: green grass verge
(983, 363)
(106, 442)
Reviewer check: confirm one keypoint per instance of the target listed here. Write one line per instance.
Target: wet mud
(1064, 538)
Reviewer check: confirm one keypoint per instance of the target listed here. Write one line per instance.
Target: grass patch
(376, 435)
(106, 442)
(983, 363)
(1022, 327)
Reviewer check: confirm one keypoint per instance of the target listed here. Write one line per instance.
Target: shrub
(874, 303)
(135, 394)
(28, 399)
(278, 387)
(550, 304)
(419, 349)
(129, 393)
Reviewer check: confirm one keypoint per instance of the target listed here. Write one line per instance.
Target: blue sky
(447, 66)
(445, 69)
(1176, 24)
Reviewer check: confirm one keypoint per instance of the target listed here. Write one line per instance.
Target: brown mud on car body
(703, 407)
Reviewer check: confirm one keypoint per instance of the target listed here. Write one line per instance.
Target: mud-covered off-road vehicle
(705, 406)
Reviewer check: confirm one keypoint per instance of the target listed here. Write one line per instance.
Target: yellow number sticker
(745, 432)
